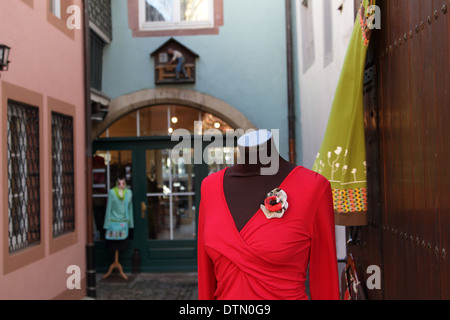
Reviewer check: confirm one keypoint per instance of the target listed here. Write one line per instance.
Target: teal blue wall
(244, 65)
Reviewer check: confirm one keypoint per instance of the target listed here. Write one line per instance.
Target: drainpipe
(90, 262)
(290, 82)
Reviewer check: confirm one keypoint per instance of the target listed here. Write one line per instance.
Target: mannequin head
(255, 140)
(258, 149)
(121, 183)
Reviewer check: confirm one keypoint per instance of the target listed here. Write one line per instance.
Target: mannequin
(246, 177)
(248, 250)
(119, 208)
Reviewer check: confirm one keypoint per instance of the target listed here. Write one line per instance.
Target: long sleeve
(207, 282)
(323, 273)
(130, 210)
(108, 210)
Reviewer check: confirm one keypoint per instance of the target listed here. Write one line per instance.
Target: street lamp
(4, 55)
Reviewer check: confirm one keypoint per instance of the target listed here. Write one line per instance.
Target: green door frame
(154, 255)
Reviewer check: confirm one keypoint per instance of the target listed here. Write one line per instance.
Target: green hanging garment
(342, 156)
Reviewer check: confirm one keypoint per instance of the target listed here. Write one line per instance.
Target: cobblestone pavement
(148, 286)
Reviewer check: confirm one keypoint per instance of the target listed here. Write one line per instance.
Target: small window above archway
(162, 120)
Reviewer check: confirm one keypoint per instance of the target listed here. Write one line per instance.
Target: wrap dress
(269, 259)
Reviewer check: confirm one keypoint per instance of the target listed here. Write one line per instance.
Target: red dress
(268, 259)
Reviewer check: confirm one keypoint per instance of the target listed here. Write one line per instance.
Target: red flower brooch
(275, 204)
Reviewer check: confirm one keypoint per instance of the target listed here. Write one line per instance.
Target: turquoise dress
(119, 209)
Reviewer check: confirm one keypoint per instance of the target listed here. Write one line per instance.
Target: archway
(126, 104)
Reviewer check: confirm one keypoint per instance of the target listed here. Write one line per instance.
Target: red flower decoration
(272, 205)
(275, 204)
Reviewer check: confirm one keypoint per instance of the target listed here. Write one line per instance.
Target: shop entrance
(166, 189)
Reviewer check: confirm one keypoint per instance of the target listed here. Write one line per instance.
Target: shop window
(24, 213)
(107, 166)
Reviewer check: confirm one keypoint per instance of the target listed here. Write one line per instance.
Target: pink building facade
(42, 163)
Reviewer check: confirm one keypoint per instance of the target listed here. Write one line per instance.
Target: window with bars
(23, 176)
(63, 185)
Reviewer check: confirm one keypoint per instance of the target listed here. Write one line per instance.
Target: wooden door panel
(442, 83)
(413, 102)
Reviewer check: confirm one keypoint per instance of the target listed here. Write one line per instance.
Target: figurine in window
(178, 58)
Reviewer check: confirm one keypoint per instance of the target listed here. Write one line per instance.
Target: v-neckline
(227, 208)
(117, 192)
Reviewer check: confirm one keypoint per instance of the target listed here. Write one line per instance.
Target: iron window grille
(62, 174)
(23, 176)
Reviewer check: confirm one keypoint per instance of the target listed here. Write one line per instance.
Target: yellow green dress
(342, 156)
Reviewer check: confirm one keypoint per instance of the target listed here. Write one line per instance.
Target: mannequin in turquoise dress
(118, 208)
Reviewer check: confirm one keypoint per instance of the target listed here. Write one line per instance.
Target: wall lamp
(4, 55)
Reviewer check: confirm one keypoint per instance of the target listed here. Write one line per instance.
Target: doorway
(166, 189)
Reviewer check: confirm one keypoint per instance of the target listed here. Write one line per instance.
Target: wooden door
(409, 232)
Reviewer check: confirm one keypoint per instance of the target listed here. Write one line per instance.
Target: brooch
(275, 204)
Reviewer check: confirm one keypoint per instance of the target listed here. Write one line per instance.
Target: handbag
(118, 230)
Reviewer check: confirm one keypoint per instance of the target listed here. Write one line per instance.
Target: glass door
(168, 199)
